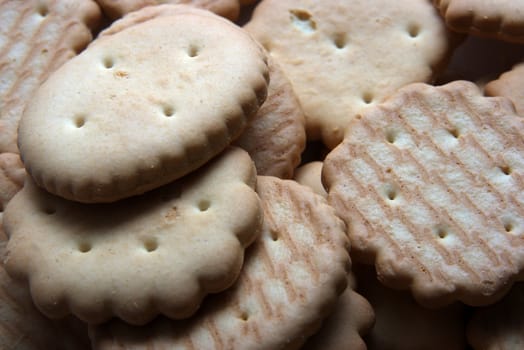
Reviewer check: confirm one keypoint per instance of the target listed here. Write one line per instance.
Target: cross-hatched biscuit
(37, 37)
(159, 253)
(343, 56)
(142, 106)
(430, 184)
(285, 289)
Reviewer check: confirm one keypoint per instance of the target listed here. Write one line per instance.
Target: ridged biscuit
(343, 56)
(430, 184)
(284, 291)
(142, 107)
(276, 137)
(500, 19)
(510, 84)
(115, 9)
(37, 37)
(159, 253)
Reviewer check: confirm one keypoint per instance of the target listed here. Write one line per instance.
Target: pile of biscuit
(273, 174)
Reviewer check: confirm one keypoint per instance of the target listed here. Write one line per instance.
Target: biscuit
(351, 319)
(36, 37)
(276, 137)
(159, 253)
(499, 326)
(402, 324)
(430, 186)
(283, 292)
(500, 19)
(142, 106)
(310, 174)
(23, 327)
(115, 9)
(337, 63)
(511, 85)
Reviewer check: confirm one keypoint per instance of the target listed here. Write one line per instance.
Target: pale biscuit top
(284, 291)
(500, 19)
(342, 56)
(431, 186)
(159, 253)
(37, 37)
(142, 107)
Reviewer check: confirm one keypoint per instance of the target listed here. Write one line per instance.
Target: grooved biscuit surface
(159, 253)
(142, 107)
(36, 37)
(337, 62)
(431, 186)
(501, 19)
(283, 292)
(276, 137)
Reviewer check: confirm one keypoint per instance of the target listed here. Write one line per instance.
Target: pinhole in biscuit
(454, 132)
(413, 30)
(42, 10)
(273, 234)
(108, 62)
(79, 121)
(84, 247)
(193, 51)
(441, 231)
(244, 315)
(302, 20)
(391, 136)
(168, 110)
(204, 205)
(391, 192)
(340, 40)
(150, 244)
(367, 97)
(505, 169)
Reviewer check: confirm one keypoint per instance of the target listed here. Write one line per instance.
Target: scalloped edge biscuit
(111, 124)
(159, 253)
(336, 62)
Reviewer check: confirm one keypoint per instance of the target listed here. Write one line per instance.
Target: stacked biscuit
(276, 174)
